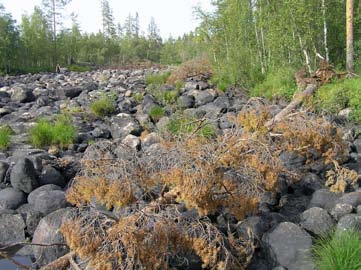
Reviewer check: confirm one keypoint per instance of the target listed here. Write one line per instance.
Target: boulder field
(34, 181)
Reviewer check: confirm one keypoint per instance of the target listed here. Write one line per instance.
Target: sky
(173, 17)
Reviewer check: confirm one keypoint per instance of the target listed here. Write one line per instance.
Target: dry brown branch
(61, 263)
(294, 104)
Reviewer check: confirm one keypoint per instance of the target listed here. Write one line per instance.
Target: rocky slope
(33, 182)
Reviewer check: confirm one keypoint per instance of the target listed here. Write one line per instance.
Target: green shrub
(63, 131)
(341, 94)
(77, 68)
(157, 78)
(60, 133)
(338, 251)
(279, 83)
(185, 125)
(5, 137)
(156, 113)
(42, 134)
(104, 106)
(138, 97)
(169, 97)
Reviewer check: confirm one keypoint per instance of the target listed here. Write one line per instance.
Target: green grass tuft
(60, 133)
(341, 94)
(338, 251)
(279, 83)
(157, 78)
(156, 113)
(104, 106)
(5, 137)
(180, 125)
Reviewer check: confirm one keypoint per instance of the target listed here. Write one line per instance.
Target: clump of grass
(338, 251)
(5, 137)
(60, 133)
(157, 78)
(184, 125)
(138, 97)
(156, 113)
(341, 94)
(279, 83)
(104, 106)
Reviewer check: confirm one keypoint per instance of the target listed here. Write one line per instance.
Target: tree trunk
(349, 36)
(325, 30)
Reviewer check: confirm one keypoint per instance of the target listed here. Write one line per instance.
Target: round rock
(317, 221)
(23, 176)
(289, 246)
(349, 222)
(340, 210)
(11, 198)
(48, 201)
(48, 232)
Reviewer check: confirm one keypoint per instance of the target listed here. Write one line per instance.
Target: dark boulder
(317, 221)
(11, 198)
(23, 176)
(289, 246)
(48, 232)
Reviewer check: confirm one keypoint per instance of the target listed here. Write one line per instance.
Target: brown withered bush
(227, 175)
(195, 67)
(149, 240)
(341, 179)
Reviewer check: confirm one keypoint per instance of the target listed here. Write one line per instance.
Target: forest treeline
(245, 40)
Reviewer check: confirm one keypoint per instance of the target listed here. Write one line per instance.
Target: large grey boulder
(352, 198)
(22, 95)
(23, 176)
(324, 198)
(317, 221)
(68, 91)
(31, 217)
(186, 101)
(204, 97)
(123, 125)
(341, 210)
(349, 222)
(50, 175)
(48, 232)
(3, 169)
(35, 193)
(11, 198)
(289, 246)
(11, 229)
(48, 201)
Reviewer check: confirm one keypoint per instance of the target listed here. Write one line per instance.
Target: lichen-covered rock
(317, 221)
(48, 232)
(289, 246)
(11, 198)
(23, 176)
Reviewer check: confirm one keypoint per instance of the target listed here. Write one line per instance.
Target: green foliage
(138, 97)
(5, 137)
(180, 125)
(77, 68)
(341, 94)
(156, 113)
(104, 106)
(157, 79)
(60, 133)
(338, 251)
(279, 83)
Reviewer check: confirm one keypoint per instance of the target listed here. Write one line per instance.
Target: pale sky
(173, 17)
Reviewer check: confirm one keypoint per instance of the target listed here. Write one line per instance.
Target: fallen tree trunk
(60, 263)
(296, 101)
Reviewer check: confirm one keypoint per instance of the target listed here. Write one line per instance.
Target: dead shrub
(149, 240)
(341, 179)
(196, 67)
